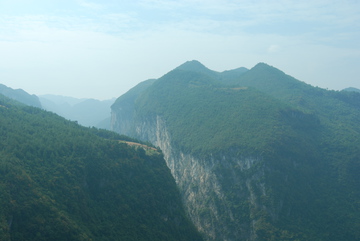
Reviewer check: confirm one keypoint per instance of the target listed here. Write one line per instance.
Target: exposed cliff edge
(256, 154)
(225, 194)
(201, 183)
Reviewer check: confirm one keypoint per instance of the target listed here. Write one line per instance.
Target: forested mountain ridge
(20, 95)
(257, 156)
(62, 181)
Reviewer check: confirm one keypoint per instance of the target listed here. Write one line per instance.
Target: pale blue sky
(101, 49)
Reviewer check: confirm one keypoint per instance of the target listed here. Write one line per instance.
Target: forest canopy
(61, 181)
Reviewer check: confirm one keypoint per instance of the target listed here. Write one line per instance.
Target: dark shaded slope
(61, 181)
(330, 156)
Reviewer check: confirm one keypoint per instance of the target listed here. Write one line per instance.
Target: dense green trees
(61, 181)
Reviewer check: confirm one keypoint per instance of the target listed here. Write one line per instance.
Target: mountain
(20, 95)
(62, 181)
(88, 112)
(257, 155)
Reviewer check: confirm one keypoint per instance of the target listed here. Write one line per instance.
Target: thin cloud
(162, 4)
(273, 48)
(317, 21)
(90, 5)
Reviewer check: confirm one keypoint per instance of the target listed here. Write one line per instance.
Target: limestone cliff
(203, 183)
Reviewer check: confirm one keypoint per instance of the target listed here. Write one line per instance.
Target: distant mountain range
(256, 154)
(20, 95)
(87, 112)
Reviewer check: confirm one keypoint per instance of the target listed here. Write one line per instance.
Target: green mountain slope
(194, 117)
(61, 181)
(267, 157)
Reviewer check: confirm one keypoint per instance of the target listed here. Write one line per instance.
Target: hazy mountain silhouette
(88, 112)
(20, 95)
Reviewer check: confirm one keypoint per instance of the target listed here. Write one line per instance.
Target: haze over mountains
(245, 154)
(20, 95)
(88, 112)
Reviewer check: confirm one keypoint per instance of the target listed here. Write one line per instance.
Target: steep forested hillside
(61, 181)
(257, 154)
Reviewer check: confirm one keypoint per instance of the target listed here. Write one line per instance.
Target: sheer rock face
(121, 121)
(209, 185)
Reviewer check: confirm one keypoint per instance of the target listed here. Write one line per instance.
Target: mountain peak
(265, 66)
(196, 66)
(192, 65)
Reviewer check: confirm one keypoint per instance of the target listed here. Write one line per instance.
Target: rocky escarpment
(222, 193)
